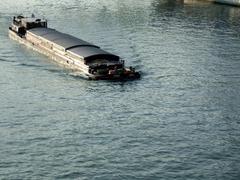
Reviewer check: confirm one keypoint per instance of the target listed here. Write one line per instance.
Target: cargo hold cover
(74, 45)
(90, 53)
(61, 39)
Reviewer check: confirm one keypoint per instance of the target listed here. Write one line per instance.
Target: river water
(181, 120)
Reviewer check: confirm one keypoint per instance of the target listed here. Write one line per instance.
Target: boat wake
(78, 74)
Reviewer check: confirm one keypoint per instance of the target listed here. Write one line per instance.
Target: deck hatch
(91, 53)
(61, 39)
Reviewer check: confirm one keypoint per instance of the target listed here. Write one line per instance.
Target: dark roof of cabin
(77, 46)
(62, 39)
(91, 53)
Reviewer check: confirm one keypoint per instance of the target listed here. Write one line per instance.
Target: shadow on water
(166, 5)
(29, 65)
(198, 12)
(7, 60)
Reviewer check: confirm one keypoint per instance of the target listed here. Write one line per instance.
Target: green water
(180, 121)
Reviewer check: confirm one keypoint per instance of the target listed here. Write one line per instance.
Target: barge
(69, 51)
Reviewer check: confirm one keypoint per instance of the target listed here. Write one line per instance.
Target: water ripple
(179, 121)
